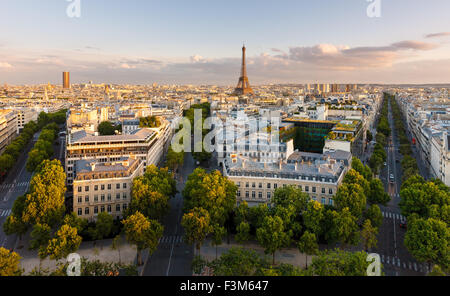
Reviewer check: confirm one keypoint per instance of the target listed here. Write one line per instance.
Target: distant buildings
(104, 186)
(8, 128)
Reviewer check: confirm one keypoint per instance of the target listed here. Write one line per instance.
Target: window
(117, 186)
(246, 185)
(109, 208)
(330, 201)
(96, 188)
(124, 186)
(260, 185)
(306, 188)
(109, 186)
(275, 186)
(125, 206)
(314, 189)
(86, 188)
(86, 211)
(260, 195)
(268, 195)
(118, 196)
(95, 198)
(95, 210)
(330, 191)
(80, 212)
(124, 196)
(253, 194)
(80, 189)
(109, 196)
(268, 185)
(323, 190)
(86, 198)
(247, 195)
(239, 193)
(102, 209)
(118, 208)
(314, 198)
(80, 199)
(238, 184)
(103, 197)
(323, 200)
(253, 185)
(102, 187)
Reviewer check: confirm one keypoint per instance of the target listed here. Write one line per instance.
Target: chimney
(281, 164)
(296, 166)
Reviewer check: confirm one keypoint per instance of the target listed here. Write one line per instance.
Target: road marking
(415, 266)
(409, 265)
(387, 260)
(398, 262)
(5, 213)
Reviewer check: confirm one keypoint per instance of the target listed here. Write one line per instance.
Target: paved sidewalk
(101, 251)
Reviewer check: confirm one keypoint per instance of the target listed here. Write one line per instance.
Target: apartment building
(8, 128)
(104, 186)
(146, 144)
(319, 175)
(440, 157)
(24, 116)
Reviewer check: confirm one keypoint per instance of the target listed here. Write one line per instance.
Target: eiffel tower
(243, 87)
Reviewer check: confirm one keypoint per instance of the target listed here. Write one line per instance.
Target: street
(16, 184)
(173, 257)
(395, 257)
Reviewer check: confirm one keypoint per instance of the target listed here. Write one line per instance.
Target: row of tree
(43, 149)
(12, 152)
(243, 262)
(291, 218)
(379, 155)
(190, 114)
(426, 204)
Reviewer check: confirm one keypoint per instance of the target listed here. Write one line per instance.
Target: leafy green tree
(174, 159)
(160, 180)
(117, 244)
(238, 262)
(6, 163)
(243, 232)
(313, 217)
(106, 128)
(197, 225)
(353, 177)
(374, 215)
(258, 214)
(74, 221)
(218, 233)
(377, 194)
(152, 204)
(142, 232)
(35, 158)
(417, 198)
(212, 192)
(290, 195)
(150, 122)
(437, 271)
(45, 202)
(103, 226)
(308, 245)
(9, 263)
(271, 235)
(41, 235)
(14, 225)
(427, 241)
(351, 196)
(369, 235)
(339, 263)
(67, 241)
(347, 230)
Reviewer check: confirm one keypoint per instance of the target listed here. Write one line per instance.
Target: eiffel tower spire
(243, 86)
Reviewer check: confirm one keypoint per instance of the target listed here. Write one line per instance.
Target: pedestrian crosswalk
(171, 239)
(5, 187)
(5, 213)
(395, 216)
(396, 262)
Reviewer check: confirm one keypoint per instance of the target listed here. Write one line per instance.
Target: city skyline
(142, 43)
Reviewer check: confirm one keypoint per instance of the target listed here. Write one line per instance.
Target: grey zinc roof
(83, 137)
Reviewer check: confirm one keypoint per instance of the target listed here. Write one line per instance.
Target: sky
(199, 42)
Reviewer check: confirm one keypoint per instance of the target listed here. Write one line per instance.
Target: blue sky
(137, 41)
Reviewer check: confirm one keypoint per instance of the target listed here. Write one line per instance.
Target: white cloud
(5, 65)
